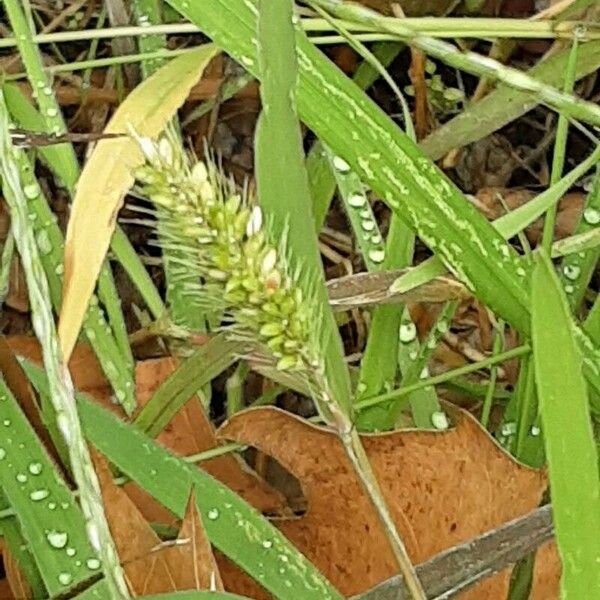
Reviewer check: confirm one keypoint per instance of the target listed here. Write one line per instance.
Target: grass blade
(47, 511)
(572, 456)
(106, 178)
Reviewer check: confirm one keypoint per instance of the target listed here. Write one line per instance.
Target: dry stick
(61, 387)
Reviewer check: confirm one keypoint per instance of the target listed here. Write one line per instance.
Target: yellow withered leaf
(106, 177)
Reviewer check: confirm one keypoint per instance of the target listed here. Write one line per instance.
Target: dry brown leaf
(490, 201)
(152, 566)
(193, 564)
(442, 489)
(191, 432)
(84, 367)
(146, 568)
(15, 585)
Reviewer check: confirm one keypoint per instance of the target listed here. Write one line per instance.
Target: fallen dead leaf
(15, 585)
(150, 565)
(490, 201)
(191, 432)
(442, 489)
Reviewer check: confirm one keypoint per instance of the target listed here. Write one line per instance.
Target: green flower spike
(224, 239)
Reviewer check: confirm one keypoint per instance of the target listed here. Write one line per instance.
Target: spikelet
(225, 242)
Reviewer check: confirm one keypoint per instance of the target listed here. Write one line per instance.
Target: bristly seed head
(224, 240)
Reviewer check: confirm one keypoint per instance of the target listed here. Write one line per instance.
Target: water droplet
(21, 477)
(92, 563)
(65, 578)
(38, 495)
(60, 269)
(407, 332)
(376, 255)
(340, 164)
(521, 272)
(439, 420)
(569, 289)
(52, 112)
(31, 191)
(70, 551)
(2, 453)
(57, 539)
(357, 200)
(367, 225)
(35, 468)
(51, 505)
(213, 514)
(43, 242)
(6, 422)
(591, 215)
(120, 394)
(509, 429)
(571, 272)
(535, 430)
(267, 544)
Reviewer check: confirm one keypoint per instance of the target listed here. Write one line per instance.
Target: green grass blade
(570, 448)
(11, 532)
(507, 225)
(54, 123)
(50, 518)
(283, 183)
(320, 175)
(205, 364)
(578, 268)
(232, 526)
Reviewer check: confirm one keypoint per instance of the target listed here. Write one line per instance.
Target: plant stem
(61, 386)
(442, 27)
(471, 62)
(482, 364)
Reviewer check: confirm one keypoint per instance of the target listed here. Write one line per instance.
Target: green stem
(483, 364)
(442, 27)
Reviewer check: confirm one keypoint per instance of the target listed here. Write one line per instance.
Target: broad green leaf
(48, 513)
(283, 188)
(232, 526)
(107, 176)
(568, 436)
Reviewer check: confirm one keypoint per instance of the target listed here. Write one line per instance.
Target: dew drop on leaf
(35, 468)
(57, 539)
(38, 495)
(213, 514)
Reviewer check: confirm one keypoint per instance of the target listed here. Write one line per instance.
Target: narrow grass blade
(17, 544)
(570, 448)
(107, 176)
(99, 591)
(578, 268)
(205, 364)
(50, 518)
(20, 18)
(232, 526)
(283, 183)
(507, 225)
